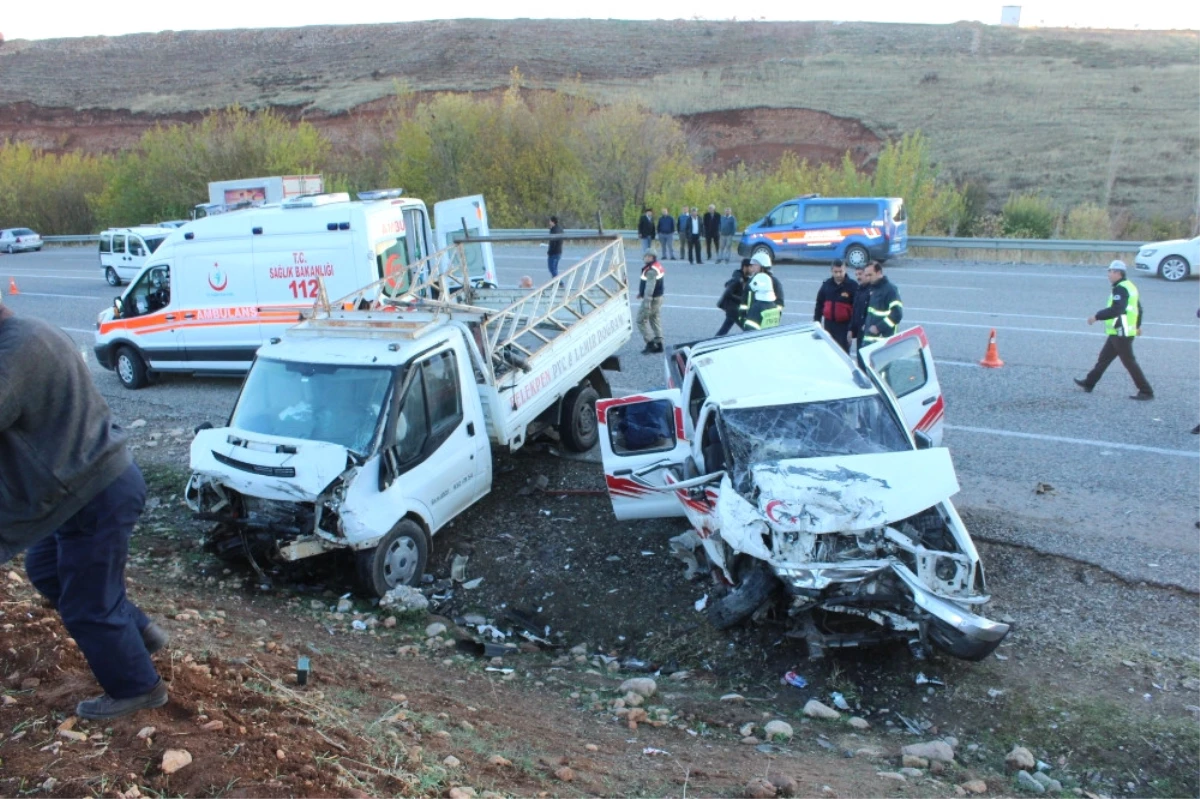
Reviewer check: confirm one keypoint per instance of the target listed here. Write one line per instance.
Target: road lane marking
(62, 296)
(1086, 442)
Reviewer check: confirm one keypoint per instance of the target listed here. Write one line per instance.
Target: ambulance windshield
(315, 402)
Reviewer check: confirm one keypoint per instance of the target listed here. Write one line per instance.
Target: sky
(31, 20)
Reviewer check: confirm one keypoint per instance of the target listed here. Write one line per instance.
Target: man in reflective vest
(764, 310)
(650, 292)
(884, 309)
(835, 304)
(1122, 321)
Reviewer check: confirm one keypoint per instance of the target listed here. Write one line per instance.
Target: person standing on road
(884, 308)
(759, 263)
(646, 229)
(650, 292)
(666, 234)
(764, 311)
(712, 231)
(858, 315)
(835, 304)
(1122, 319)
(554, 251)
(728, 231)
(734, 297)
(72, 495)
(695, 231)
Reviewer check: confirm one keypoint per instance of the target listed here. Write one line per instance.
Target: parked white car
(1171, 260)
(19, 239)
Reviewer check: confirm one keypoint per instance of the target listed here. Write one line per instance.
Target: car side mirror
(202, 426)
(923, 440)
(117, 307)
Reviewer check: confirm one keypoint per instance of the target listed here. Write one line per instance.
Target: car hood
(844, 493)
(1172, 244)
(270, 467)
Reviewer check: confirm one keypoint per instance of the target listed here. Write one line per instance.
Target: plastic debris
(702, 603)
(994, 692)
(492, 630)
(923, 680)
(302, 670)
(500, 671)
(839, 701)
(458, 569)
(358, 624)
(471, 585)
(795, 680)
(650, 750)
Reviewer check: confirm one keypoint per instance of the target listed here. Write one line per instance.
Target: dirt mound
(761, 135)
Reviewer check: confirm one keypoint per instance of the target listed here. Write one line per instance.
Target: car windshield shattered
(859, 426)
(316, 402)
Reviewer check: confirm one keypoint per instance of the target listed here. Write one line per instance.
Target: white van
(219, 287)
(124, 250)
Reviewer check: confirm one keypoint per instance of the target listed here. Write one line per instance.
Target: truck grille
(254, 468)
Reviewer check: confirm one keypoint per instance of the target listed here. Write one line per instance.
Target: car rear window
(22, 231)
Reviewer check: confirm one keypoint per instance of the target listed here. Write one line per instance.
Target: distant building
(1010, 16)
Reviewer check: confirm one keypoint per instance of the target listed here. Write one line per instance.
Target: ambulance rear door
(458, 220)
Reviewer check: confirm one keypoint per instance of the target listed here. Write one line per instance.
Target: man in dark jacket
(695, 231)
(835, 304)
(884, 309)
(861, 297)
(72, 495)
(734, 297)
(666, 235)
(712, 231)
(760, 262)
(650, 292)
(554, 251)
(1122, 319)
(646, 229)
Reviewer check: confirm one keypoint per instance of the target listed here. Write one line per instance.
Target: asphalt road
(1125, 475)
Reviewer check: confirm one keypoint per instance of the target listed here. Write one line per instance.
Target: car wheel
(957, 644)
(857, 256)
(578, 427)
(131, 369)
(755, 585)
(111, 276)
(763, 249)
(1174, 268)
(9, 249)
(399, 559)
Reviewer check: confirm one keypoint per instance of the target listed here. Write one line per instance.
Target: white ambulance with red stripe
(217, 288)
(808, 477)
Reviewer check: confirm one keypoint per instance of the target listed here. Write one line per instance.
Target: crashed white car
(798, 469)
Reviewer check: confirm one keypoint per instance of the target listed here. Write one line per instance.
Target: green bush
(53, 194)
(1028, 216)
(1088, 222)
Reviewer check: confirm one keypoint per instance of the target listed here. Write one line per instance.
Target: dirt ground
(1099, 679)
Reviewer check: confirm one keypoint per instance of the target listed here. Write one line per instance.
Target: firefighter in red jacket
(835, 304)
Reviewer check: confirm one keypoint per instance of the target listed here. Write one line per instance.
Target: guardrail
(934, 242)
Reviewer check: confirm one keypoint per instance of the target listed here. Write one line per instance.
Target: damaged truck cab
(799, 469)
(370, 426)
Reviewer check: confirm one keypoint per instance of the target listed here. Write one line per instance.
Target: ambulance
(214, 290)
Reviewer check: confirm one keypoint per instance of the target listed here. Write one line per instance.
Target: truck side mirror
(202, 426)
(117, 307)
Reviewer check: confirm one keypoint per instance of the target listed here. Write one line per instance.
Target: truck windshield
(152, 242)
(314, 402)
(858, 426)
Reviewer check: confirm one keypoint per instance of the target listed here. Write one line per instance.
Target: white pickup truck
(371, 425)
(801, 470)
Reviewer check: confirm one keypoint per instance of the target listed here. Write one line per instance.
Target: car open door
(469, 215)
(640, 438)
(904, 364)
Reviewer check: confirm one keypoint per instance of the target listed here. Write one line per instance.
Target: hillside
(1082, 115)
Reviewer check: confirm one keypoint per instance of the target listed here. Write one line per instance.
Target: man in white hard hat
(759, 262)
(764, 310)
(1122, 319)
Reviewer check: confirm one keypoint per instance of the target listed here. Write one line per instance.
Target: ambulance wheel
(111, 277)
(578, 427)
(755, 584)
(857, 256)
(131, 369)
(399, 559)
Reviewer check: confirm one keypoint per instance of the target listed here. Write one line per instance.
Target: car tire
(578, 428)
(130, 368)
(857, 256)
(111, 277)
(956, 644)
(399, 559)
(755, 585)
(1174, 268)
(763, 248)
(9, 249)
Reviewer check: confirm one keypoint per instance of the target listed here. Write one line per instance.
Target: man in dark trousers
(1122, 319)
(712, 231)
(71, 496)
(835, 304)
(861, 297)
(733, 297)
(646, 229)
(884, 308)
(650, 292)
(695, 230)
(666, 235)
(554, 251)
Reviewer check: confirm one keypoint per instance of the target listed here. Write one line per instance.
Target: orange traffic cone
(12, 286)
(992, 358)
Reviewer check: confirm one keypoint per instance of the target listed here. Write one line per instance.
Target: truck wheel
(578, 427)
(857, 256)
(755, 585)
(111, 276)
(955, 643)
(399, 559)
(131, 369)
